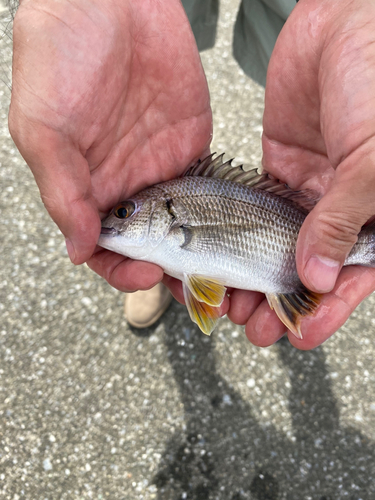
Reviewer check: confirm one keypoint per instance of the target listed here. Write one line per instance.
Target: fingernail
(322, 273)
(70, 249)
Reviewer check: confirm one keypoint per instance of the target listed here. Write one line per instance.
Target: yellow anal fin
(292, 307)
(207, 290)
(203, 314)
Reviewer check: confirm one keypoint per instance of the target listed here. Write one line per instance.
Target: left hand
(108, 97)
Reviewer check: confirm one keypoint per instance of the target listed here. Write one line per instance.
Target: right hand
(108, 97)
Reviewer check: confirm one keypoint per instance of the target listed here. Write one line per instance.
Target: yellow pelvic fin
(203, 314)
(292, 307)
(207, 290)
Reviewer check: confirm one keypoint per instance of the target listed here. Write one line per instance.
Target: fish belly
(247, 265)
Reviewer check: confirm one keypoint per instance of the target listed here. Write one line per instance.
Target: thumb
(331, 229)
(63, 177)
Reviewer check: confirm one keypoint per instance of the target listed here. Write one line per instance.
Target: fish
(219, 226)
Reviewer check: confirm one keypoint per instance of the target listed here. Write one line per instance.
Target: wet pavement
(92, 409)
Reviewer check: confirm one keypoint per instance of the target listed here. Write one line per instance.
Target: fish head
(136, 226)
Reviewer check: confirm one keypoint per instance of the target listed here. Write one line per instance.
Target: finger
(64, 181)
(175, 286)
(330, 230)
(242, 305)
(264, 327)
(125, 274)
(354, 284)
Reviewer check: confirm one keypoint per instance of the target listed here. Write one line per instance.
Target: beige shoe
(144, 308)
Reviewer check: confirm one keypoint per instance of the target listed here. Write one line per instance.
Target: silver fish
(219, 226)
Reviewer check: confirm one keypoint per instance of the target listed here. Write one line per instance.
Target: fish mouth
(109, 231)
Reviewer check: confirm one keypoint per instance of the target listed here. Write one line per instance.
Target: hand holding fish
(319, 133)
(108, 97)
(112, 98)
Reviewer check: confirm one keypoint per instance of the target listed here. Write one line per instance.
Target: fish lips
(109, 231)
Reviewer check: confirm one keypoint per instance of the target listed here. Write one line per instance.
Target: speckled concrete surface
(91, 409)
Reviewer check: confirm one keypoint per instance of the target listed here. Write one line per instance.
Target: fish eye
(124, 210)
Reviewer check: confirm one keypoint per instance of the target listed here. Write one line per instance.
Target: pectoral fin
(207, 290)
(292, 307)
(204, 315)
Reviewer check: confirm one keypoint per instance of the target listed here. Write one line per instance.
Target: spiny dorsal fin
(217, 168)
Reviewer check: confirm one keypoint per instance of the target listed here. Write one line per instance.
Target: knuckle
(338, 229)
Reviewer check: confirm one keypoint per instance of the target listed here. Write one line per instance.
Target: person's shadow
(225, 453)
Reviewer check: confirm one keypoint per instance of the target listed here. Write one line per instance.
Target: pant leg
(257, 27)
(203, 16)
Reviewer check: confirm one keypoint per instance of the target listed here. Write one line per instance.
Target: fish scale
(227, 224)
(275, 226)
(211, 232)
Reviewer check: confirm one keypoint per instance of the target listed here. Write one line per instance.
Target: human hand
(108, 97)
(319, 133)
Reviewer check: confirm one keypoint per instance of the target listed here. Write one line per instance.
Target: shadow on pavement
(226, 453)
